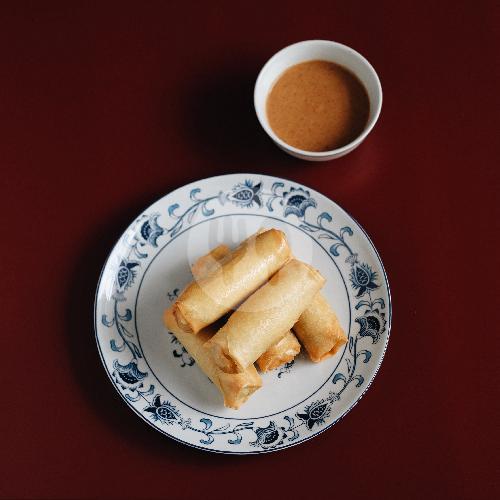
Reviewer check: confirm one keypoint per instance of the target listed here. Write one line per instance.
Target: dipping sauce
(317, 106)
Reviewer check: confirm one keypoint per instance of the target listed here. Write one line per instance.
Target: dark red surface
(105, 108)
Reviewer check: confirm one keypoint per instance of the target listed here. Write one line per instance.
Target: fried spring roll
(214, 259)
(265, 317)
(319, 330)
(209, 262)
(235, 387)
(280, 353)
(246, 269)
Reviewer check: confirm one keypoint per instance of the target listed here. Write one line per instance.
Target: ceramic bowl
(328, 51)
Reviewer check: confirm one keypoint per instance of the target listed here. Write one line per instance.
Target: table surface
(107, 106)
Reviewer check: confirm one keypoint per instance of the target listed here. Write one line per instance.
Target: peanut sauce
(318, 106)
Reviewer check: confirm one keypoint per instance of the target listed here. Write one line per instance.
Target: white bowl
(327, 51)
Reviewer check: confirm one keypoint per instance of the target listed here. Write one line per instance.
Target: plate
(150, 265)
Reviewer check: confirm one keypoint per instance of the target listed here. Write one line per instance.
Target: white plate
(150, 264)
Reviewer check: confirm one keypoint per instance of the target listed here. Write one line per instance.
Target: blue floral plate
(150, 264)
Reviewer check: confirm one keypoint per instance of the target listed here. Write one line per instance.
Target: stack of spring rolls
(268, 293)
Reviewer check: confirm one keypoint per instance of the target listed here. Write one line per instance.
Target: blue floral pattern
(164, 412)
(316, 413)
(363, 278)
(295, 202)
(125, 277)
(285, 368)
(372, 324)
(179, 350)
(246, 194)
(151, 230)
(128, 376)
(270, 436)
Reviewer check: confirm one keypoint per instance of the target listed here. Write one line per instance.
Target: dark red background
(106, 107)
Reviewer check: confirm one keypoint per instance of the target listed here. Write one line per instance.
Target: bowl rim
(319, 154)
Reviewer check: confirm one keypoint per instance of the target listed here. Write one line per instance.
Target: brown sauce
(317, 106)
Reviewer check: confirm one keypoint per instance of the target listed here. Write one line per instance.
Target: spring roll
(209, 262)
(214, 259)
(247, 268)
(236, 388)
(265, 317)
(319, 330)
(279, 354)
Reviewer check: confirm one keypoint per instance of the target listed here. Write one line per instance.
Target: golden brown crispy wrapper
(209, 262)
(319, 330)
(235, 387)
(280, 353)
(265, 317)
(246, 269)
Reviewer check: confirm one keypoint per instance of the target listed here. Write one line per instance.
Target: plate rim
(269, 450)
